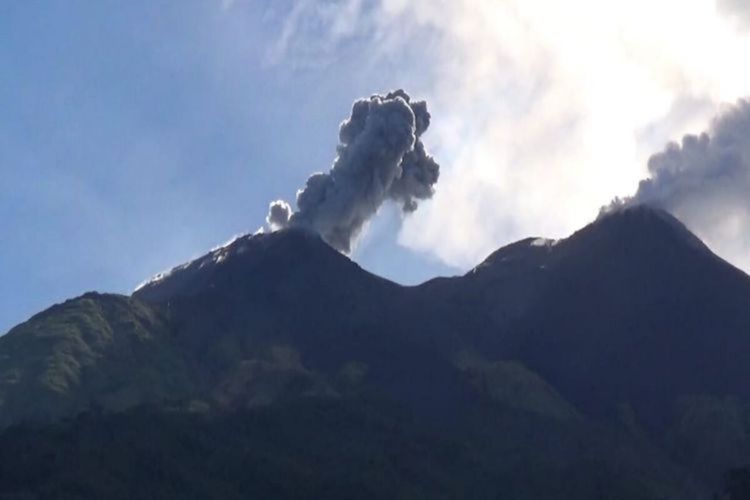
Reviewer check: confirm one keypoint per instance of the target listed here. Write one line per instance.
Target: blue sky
(137, 135)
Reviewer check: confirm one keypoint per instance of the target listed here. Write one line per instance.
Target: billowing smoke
(380, 157)
(705, 181)
(279, 213)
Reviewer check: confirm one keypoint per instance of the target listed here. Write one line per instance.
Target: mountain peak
(243, 256)
(628, 226)
(642, 216)
(638, 228)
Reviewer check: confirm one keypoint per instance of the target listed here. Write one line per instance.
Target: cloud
(547, 109)
(311, 29)
(380, 157)
(705, 181)
(737, 10)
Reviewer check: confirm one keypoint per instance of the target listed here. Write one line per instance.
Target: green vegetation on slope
(103, 351)
(308, 449)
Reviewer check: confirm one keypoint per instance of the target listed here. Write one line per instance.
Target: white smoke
(278, 216)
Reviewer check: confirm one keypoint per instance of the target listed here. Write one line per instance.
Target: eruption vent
(705, 181)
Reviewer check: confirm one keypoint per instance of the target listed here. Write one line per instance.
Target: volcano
(610, 364)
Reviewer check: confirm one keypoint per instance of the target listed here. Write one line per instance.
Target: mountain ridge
(629, 332)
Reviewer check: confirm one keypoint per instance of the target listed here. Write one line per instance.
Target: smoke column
(705, 181)
(380, 157)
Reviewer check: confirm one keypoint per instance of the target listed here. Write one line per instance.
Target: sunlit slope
(96, 351)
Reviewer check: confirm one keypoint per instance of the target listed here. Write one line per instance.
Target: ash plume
(380, 157)
(705, 181)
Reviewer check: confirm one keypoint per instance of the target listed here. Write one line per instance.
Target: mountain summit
(249, 260)
(631, 309)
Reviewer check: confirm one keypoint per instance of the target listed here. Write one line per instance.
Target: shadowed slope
(634, 309)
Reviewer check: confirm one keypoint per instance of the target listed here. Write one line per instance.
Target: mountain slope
(631, 308)
(633, 320)
(635, 309)
(311, 449)
(98, 350)
(288, 292)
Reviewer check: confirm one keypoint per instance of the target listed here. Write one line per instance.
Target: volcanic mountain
(610, 364)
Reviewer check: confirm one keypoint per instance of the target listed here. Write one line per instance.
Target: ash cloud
(705, 181)
(380, 157)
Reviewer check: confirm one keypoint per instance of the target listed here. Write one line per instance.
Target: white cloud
(311, 29)
(542, 110)
(737, 10)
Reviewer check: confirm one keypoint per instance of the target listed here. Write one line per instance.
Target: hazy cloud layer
(705, 181)
(547, 109)
(380, 157)
(738, 10)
